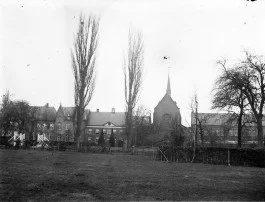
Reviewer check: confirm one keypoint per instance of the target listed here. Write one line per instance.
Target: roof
(167, 97)
(222, 118)
(44, 113)
(68, 111)
(101, 118)
(213, 118)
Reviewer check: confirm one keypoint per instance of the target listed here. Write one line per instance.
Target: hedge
(214, 155)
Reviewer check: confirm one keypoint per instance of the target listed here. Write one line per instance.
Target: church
(166, 115)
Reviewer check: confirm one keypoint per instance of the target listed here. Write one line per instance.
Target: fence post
(228, 157)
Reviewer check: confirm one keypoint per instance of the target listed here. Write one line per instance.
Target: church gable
(167, 109)
(167, 105)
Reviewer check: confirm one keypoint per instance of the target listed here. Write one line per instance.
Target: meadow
(30, 175)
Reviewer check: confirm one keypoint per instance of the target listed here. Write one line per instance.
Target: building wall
(218, 135)
(64, 129)
(92, 133)
(46, 127)
(166, 113)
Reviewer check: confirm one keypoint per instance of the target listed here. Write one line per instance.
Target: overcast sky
(36, 38)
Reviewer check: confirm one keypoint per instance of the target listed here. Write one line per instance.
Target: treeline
(15, 115)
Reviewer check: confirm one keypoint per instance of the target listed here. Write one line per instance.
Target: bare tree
(229, 96)
(194, 105)
(142, 125)
(133, 71)
(249, 75)
(177, 132)
(252, 80)
(83, 64)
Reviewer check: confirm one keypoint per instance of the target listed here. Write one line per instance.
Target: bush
(120, 143)
(112, 140)
(101, 141)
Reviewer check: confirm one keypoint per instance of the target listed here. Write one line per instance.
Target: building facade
(221, 129)
(64, 124)
(107, 123)
(43, 122)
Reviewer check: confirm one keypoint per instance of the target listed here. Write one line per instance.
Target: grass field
(64, 176)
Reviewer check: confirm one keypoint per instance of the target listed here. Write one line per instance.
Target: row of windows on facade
(232, 132)
(70, 138)
(58, 126)
(105, 131)
(67, 127)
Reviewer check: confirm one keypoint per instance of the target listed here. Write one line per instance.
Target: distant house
(106, 123)
(43, 121)
(221, 128)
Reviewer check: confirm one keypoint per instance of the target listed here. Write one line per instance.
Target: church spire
(168, 86)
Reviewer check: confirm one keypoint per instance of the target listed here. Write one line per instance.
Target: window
(97, 131)
(114, 131)
(59, 126)
(109, 131)
(39, 126)
(67, 126)
(52, 126)
(44, 126)
(90, 131)
(104, 131)
(89, 138)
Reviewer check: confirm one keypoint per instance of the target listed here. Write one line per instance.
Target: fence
(214, 155)
(146, 151)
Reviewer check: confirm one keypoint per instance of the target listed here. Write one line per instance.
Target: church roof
(168, 87)
(167, 96)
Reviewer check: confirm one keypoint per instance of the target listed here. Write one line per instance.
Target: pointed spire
(168, 86)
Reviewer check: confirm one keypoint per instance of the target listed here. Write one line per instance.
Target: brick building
(106, 123)
(166, 113)
(64, 124)
(221, 128)
(43, 121)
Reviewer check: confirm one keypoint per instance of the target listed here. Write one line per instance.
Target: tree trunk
(78, 128)
(239, 130)
(260, 130)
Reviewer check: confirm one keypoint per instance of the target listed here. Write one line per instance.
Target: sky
(36, 38)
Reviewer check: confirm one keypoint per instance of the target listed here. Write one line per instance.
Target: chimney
(97, 110)
(113, 110)
(47, 105)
